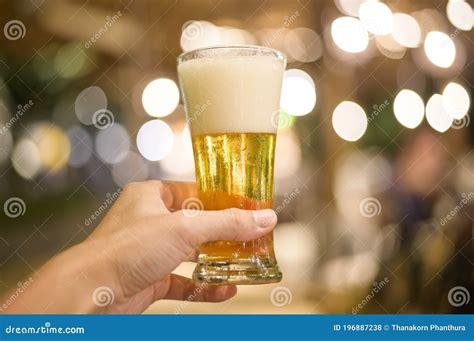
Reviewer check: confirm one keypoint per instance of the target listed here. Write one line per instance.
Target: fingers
(230, 224)
(174, 194)
(184, 289)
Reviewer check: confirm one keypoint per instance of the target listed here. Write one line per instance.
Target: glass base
(238, 272)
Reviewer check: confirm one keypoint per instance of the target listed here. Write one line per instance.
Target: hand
(126, 263)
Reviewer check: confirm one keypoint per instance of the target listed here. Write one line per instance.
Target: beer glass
(232, 98)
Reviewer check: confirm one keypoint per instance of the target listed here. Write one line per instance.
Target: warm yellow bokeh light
(436, 116)
(53, 146)
(349, 34)
(298, 94)
(460, 14)
(456, 100)
(408, 108)
(349, 121)
(160, 97)
(406, 30)
(440, 49)
(376, 17)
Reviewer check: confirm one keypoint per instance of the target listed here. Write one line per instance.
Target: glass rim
(183, 57)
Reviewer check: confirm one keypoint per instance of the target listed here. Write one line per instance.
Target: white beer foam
(232, 94)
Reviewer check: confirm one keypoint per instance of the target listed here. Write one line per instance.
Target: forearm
(65, 284)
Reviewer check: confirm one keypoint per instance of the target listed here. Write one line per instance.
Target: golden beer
(233, 139)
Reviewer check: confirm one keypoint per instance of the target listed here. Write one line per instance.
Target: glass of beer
(232, 99)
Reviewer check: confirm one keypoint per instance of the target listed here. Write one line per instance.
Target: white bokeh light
(298, 94)
(406, 30)
(155, 140)
(456, 100)
(112, 144)
(81, 146)
(349, 7)
(460, 14)
(349, 121)
(436, 116)
(408, 108)
(88, 102)
(160, 97)
(26, 158)
(440, 49)
(349, 34)
(376, 17)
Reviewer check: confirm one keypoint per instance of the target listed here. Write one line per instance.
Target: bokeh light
(460, 14)
(53, 146)
(298, 94)
(112, 144)
(155, 140)
(456, 100)
(199, 34)
(440, 49)
(304, 45)
(406, 30)
(349, 7)
(349, 121)
(437, 117)
(349, 34)
(376, 17)
(6, 143)
(160, 97)
(81, 146)
(408, 108)
(389, 47)
(181, 154)
(88, 102)
(26, 158)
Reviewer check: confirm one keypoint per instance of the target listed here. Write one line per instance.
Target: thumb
(230, 224)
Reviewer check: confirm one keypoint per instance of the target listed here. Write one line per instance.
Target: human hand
(131, 254)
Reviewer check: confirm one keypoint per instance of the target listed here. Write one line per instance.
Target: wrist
(70, 283)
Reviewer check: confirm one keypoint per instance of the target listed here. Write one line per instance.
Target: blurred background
(374, 168)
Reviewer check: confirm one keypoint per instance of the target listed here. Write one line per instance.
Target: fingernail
(265, 218)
